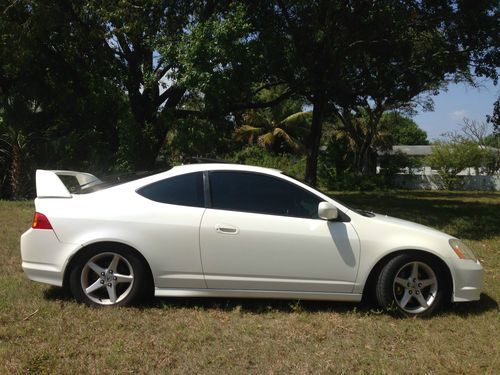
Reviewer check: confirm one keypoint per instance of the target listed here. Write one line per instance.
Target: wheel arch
(370, 282)
(110, 245)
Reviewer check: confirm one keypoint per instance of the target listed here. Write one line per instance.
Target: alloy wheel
(415, 287)
(107, 278)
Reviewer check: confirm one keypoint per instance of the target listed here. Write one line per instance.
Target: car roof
(222, 166)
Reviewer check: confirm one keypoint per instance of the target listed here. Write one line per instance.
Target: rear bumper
(468, 280)
(44, 256)
(43, 273)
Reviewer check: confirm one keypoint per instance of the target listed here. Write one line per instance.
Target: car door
(169, 228)
(262, 232)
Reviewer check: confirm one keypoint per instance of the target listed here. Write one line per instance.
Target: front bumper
(468, 280)
(43, 256)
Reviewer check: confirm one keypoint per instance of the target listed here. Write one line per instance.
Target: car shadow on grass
(265, 306)
(464, 309)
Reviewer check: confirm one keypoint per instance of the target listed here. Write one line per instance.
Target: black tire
(412, 285)
(126, 281)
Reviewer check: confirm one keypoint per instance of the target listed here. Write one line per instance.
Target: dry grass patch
(256, 336)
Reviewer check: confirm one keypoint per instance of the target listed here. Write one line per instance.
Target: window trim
(207, 195)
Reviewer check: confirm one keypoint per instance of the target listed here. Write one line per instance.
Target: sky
(459, 101)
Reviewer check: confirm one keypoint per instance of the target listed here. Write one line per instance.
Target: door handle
(226, 229)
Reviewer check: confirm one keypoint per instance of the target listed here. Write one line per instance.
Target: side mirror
(327, 211)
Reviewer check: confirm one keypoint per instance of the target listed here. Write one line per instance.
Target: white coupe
(222, 230)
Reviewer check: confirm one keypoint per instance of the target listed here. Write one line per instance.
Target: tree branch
(124, 46)
(259, 105)
(161, 71)
(267, 86)
(172, 96)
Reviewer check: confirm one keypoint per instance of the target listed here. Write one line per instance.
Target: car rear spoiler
(50, 185)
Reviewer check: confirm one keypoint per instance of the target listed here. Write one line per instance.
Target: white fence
(433, 182)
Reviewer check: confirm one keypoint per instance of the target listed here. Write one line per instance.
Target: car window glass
(253, 192)
(183, 190)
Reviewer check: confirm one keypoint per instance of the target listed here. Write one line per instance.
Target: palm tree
(14, 146)
(16, 141)
(275, 135)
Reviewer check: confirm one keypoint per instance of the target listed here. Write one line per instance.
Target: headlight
(462, 250)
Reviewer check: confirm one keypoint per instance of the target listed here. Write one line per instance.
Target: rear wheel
(107, 277)
(413, 284)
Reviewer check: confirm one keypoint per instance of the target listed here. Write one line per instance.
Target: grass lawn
(42, 330)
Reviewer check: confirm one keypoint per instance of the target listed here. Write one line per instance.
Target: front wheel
(413, 284)
(107, 277)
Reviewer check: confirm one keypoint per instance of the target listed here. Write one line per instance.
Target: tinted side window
(183, 190)
(253, 192)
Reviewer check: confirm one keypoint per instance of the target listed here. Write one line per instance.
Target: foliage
(108, 86)
(335, 159)
(351, 181)
(255, 155)
(335, 170)
(14, 147)
(494, 118)
(394, 163)
(56, 91)
(377, 56)
(489, 143)
(396, 129)
(491, 161)
(195, 137)
(336, 167)
(282, 128)
(451, 158)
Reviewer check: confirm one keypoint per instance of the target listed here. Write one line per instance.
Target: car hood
(407, 225)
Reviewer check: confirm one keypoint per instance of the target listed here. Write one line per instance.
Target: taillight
(40, 221)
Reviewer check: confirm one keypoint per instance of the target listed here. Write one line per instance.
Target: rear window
(108, 181)
(182, 190)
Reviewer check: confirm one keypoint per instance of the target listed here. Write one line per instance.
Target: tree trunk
(362, 162)
(16, 174)
(315, 139)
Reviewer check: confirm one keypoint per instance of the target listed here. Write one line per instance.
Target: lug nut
(115, 278)
(110, 271)
(410, 292)
(102, 273)
(419, 285)
(102, 281)
(109, 285)
(417, 292)
(408, 285)
(414, 280)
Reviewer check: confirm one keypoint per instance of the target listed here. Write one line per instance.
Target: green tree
(347, 56)
(274, 135)
(396, 129)
(55, 88)
(450, 158)
(494, 118)
(172, 53)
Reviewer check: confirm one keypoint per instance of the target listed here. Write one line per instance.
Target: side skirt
(235, 293)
